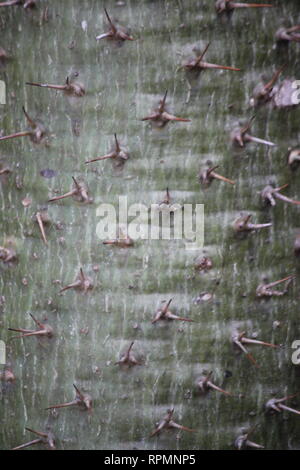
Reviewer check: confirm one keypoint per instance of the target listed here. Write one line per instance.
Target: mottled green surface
(122, 85)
